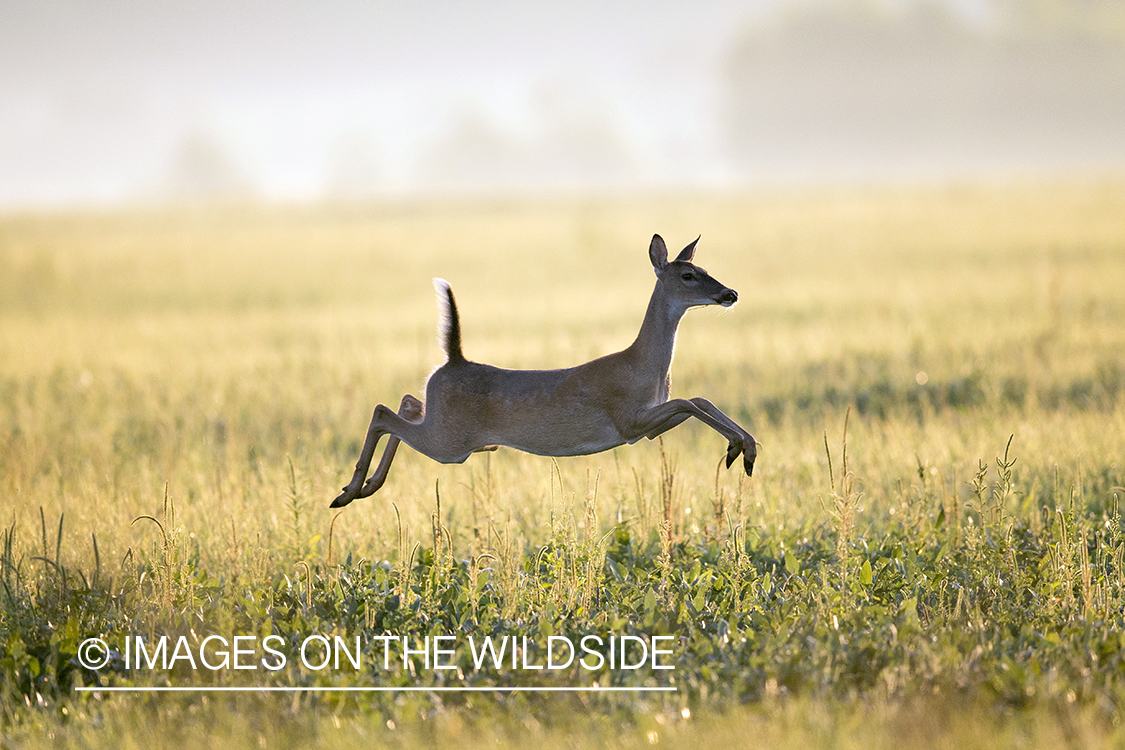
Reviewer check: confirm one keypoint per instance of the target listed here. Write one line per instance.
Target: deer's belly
(562, 435)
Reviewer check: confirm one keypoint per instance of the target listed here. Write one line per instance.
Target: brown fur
(610, 401)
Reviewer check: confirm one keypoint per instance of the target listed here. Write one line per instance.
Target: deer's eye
(687, 276)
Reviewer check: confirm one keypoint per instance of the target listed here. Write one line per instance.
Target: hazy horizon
(118, 103)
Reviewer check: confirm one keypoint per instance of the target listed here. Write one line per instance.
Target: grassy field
(930, 550)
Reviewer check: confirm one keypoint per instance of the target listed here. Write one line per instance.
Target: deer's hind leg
(410, 409)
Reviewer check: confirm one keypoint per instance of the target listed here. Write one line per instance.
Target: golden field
(223, 361)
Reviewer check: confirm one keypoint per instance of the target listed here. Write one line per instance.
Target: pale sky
(116, 102)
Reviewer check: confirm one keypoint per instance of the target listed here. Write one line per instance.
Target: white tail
(613, 400)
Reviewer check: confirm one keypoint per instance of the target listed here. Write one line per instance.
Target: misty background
(105, 103)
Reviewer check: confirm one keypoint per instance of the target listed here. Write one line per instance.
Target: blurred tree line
(863, 88)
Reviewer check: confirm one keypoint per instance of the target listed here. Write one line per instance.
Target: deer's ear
(688, 252)
(658, 253)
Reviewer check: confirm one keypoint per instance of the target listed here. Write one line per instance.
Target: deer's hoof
(732, 452)
(345, 497)
(749, 456)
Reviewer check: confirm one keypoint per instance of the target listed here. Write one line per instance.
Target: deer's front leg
(665, 416)
(748, 446)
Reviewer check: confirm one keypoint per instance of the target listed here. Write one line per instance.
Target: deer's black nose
(728, 297)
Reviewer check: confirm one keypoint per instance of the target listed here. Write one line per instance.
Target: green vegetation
(930, 550)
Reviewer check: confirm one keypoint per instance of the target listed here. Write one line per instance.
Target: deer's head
(683, 281)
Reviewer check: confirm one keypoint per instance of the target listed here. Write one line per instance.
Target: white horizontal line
(376, 689)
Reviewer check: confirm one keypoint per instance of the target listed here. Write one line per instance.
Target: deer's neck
(656, 341)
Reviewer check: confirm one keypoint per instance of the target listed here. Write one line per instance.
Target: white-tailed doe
(613, 400)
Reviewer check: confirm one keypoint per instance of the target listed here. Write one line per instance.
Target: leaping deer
(616, 399)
